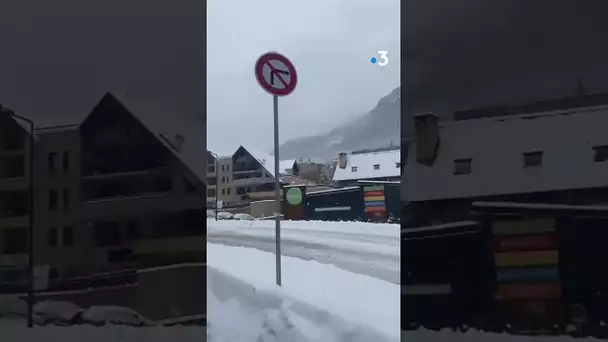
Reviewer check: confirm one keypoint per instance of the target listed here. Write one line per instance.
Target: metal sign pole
(277, 76)
(277, 188)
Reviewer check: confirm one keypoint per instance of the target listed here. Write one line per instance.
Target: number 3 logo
(383, 58)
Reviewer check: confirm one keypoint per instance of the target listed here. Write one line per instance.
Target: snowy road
(366, 249)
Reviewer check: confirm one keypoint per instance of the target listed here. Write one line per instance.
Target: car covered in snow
(243, 217)
(223, 215)
(114, 315)
(56, 312)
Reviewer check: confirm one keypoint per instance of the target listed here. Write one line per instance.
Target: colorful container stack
(374, 201)
(526, 260)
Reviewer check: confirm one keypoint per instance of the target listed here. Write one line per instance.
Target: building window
(133, 231)
(600, 153)
(14, 241)
(376, 166)
(223, 180)
(68, 236)
(223, 191)
(210, 168)
(533, 159)
(353, 169)
(106, 234)
(223, 168)
(462, 166)
(52, 162)
(228, 168)
(51, 237)
(53, 199)
(228, 191)
(66, 198)
(66, 162)
(211, 192)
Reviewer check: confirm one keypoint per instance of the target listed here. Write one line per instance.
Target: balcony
(127, 184)
(12, 171)
(144, 204)
(252, 181)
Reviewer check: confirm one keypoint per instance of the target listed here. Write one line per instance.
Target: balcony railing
(130, 184)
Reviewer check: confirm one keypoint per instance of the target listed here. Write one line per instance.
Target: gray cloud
(330, 43)
(58, 58)
(467, 53)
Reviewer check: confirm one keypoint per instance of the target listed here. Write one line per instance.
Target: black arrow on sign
(276, 72)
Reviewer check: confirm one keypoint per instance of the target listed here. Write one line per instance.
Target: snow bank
(365, 237)
(237, 311)
(448, 335)
(379, 229)
(363, 300)
(16, 331)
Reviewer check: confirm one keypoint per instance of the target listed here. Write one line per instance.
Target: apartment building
(219, 179)
(253, 173)
(105, 188)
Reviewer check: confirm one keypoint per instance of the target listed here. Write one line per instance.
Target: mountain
(379, 127)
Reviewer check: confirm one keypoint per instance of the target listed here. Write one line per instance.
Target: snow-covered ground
(316, 302)
(365, 248)
(15, 331)
(475, 336)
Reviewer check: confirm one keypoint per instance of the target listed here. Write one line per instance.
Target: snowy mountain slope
(377, 128)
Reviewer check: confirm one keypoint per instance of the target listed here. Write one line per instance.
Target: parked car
(117, 315)
(56, 312)
(243, 217)
(222, 215)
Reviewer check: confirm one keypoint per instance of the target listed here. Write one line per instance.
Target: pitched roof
(184, 137)
(496, 147)
(265, 159)
(364, 164)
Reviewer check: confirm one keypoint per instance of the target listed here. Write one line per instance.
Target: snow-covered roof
(184, 137)
(265, 159)
(496, 146)
(364, 166)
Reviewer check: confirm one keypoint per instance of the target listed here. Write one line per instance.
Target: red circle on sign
(265, 60)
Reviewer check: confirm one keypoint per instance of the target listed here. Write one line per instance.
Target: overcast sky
(58, 58)
(329, 41)
(468, 53)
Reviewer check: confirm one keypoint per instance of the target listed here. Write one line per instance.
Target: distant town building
(377, 165)
(219, 180)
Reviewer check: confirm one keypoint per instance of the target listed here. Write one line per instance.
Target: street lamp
(30, 287)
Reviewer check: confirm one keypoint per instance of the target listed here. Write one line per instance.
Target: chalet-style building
(370, 165)
(253, 174)
(558, 155)
(105, 189)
